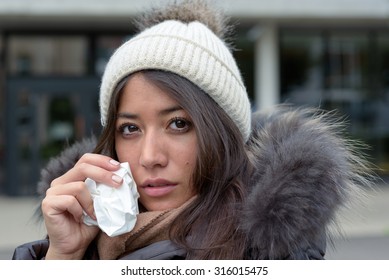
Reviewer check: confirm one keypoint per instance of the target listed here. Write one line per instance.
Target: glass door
(44, 116)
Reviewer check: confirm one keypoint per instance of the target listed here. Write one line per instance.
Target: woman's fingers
(58, 205)
(99, 160)
(74, 197)
(99, 168)
(68, 193)
(69, 236)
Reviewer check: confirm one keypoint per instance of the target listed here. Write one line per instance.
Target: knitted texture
(192, 51)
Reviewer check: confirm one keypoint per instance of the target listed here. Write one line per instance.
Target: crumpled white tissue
(116, 209)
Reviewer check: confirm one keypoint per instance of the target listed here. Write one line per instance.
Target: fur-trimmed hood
(305, 170)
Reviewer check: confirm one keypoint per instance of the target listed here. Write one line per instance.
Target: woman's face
(157, 138)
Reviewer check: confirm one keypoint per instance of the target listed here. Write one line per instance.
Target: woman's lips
(157, 187)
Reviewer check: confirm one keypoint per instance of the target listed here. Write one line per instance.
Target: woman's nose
(154, 153)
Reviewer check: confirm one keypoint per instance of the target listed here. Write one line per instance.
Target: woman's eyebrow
(127, 116)
(163, 112)
(172, 109)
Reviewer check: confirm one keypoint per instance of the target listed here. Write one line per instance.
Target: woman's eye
(179, 124)
(128, 129)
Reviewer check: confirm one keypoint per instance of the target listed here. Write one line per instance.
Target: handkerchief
(116, 209)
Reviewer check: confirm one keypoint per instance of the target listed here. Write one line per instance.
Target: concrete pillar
(267, 88)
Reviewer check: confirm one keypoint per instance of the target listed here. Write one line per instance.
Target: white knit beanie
(190, 50)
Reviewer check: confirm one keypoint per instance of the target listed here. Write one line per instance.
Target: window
(47, 55)
(301, 68)
(345, 71)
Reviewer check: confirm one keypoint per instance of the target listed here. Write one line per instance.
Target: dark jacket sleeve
(35, 250)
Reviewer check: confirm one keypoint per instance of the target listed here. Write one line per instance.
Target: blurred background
(332, 54)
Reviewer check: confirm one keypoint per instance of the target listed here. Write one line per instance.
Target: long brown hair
(209, 227)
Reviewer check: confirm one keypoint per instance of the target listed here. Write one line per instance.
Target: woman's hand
(65, 201)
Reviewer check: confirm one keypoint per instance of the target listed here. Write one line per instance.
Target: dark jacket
(305, 170)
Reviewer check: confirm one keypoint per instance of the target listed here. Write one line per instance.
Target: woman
(213, 183)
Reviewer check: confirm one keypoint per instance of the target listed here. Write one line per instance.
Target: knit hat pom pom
(187, 11)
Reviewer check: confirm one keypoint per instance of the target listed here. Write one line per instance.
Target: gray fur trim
(305, 169)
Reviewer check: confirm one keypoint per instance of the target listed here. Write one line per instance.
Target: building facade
(332, 54)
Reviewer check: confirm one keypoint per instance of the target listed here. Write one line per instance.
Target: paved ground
(365, 227)
(18, 224)
(360, 248)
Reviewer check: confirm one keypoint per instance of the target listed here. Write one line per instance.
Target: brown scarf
(150, 227)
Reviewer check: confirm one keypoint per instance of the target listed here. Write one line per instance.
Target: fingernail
(117, 178)
(114, 162)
